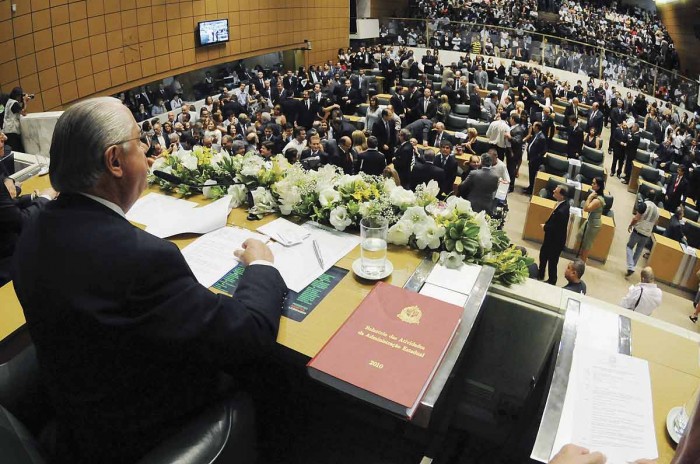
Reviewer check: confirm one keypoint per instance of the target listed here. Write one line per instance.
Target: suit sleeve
(176, 313)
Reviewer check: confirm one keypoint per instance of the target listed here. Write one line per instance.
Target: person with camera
(15, 107)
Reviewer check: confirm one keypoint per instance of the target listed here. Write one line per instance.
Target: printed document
(198, 220)
(149, 209)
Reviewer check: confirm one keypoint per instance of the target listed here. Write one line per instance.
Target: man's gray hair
(265, 117)
(82, 134)
(486, 160)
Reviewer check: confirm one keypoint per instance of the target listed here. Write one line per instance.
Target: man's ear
(112, 159)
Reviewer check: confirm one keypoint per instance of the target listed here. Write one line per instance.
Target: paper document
(198, 220)
(149, 209)
(443, 294)
(211, 256)
(298, 264)
(459, 280)
(597, 329)
(608, 407)
(285, 232)
(574, 162)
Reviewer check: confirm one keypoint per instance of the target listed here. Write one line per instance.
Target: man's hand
(254, 250)
(11, 187)
(572, 454)
(49, 192)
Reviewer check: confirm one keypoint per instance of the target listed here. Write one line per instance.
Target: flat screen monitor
(212, 32)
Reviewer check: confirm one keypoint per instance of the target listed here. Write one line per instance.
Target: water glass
(373, 233)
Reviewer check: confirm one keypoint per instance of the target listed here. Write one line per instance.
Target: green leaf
(459, 247)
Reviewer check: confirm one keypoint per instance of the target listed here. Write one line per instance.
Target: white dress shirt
(649, 301)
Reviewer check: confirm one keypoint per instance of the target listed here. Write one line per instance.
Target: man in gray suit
(491, 105)
(481, 78)
(480, 186)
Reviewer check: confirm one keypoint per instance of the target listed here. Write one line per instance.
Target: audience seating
(555, 166)
(557, 145)
(460, 109)
(652, 175)
(592, 156)
(691, 230)
(607, 209)
(644, 193)
(690, 213)
(455, 123)
(548, 190)
(481, 127)
(222, 433)
(642, 156)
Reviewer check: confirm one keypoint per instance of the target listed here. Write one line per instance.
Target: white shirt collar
(113, 206)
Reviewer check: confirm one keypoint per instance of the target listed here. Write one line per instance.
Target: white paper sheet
(198, 220)
(298, 264)
(284, 231)
(443, 294)
(211, 256)
(459, 280)
(608, 407)
(597, 329)
(149, 209)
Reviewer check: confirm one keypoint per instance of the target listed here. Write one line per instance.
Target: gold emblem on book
(410, 314)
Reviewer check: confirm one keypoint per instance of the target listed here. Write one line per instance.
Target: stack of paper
(451, 285)
(198, 220)
(211, 255)
(285, 232)
(298, 264)
(151, 208)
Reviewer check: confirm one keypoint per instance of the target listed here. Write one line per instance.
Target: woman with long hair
(594, 205)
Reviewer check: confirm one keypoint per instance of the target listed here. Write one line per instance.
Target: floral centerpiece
(449, 229)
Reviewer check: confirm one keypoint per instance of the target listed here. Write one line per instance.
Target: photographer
(15, 107)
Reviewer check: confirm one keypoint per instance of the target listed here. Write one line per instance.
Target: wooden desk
(633, 184)
(539, 211)
(667, 258)
(543, 177)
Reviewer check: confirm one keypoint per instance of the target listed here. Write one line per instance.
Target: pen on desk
(317, 251)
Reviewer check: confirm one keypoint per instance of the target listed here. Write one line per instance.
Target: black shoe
(629, 273)
(693, 318)
(624, 181)
(527, 191)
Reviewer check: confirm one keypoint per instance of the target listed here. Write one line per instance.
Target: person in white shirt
(496, 133)
(644, 297)
(499, 167)
(298, 142)
(641, 227)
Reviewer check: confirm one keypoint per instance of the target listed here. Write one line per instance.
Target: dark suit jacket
(306, 116)
(432, 135)
(633, 140)
(674, 231)
(536, 149)
(419, 109)
(574, 144)
(129, 343)
(480, 189)
(675, 196)
(569, 111)
(423, 173)
(450, 167)
(353, 99)
(398, 104)
(372, 162)
(555, 229)
(402, 162)
(596, 121)
(379, 131)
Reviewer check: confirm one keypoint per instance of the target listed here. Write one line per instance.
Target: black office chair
(548, 190)
(589, 172)
(592, 156)
(223, 433)
(455, 122)
(642, 156)
(362, 110)
(691, 230)
(460, 109)
(481, 127)
(555, 166)
(557, 145)
(646, 135)
(559, 119)
(481, 145)
(652, 176)
(607, 209)
(644, 192)
(690, 213)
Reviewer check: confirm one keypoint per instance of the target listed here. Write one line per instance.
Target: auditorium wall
(65, 50)
(681, 19)
(389, 8)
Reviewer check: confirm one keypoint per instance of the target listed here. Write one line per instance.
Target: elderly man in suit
(426, 108)
(554, 235)
(130, 344)
(372, 161)
(426, 171)
(404, 158)
(574, 142)
(596, 118)
(480, 186)
(385, 132)
(631, 145)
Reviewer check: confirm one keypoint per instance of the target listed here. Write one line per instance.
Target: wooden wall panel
(65, 50)
(681, 18)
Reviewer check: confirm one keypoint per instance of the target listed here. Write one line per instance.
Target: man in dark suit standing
(385, 132)
(574, 143)
(426, 108)
(360, 82)
(157, 338)
(438, 135)
(545, 118)
(448, 163)
(426, 171)
(595, 119)
(410, 101)
(398, 103)
(404, 158)
(306, 112)
(617, 115)
(480, 186)
(572, 109)
(535, 154)
(388, 68)
(618, 140)
(676, 189)
(554, 235)
(631, 145)
(349, 98)
(372, 161)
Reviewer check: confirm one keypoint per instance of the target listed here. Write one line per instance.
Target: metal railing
(556, 52)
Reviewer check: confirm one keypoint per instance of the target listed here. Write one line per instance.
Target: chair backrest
(548, 190)
(382, 100)
(644, 192)
(646, 135)
(609, 200)
(559, 119)
(653, 146)
(557, 166)
(481, 145)
(455, 122)
(362, 110)
(691, 230)
(592, 156)
(690, 213)
(557, 145)
(650, 174)
(673, 168)
(589, 172)
(642, 156)
(409, 82)
(461, 109)
(481, 127)
(644, 144)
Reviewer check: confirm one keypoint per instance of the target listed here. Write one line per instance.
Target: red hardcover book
(389, 348)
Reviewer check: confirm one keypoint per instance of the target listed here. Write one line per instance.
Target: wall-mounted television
(212, 32)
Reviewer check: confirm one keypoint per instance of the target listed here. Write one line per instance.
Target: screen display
(213, 32)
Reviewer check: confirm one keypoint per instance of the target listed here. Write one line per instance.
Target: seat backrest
(592, 156)
(461, 109)
(646, 135)
(590, 171)
(556, 166)
(559, 119)
(481, 127)
(481, 145)
(362, 110)
(644, 191)
(643, 156)
(691, 230)
(548, 190)
(609, 200)
(673, 168)
(691, 213)
(455, 122)
(650, 174)
(557, 145)
(644, 144)
(409, 82)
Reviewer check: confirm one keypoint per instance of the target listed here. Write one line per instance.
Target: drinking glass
(373, 233)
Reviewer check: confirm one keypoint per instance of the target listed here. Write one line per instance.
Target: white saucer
(670, 419)
(357, 269)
